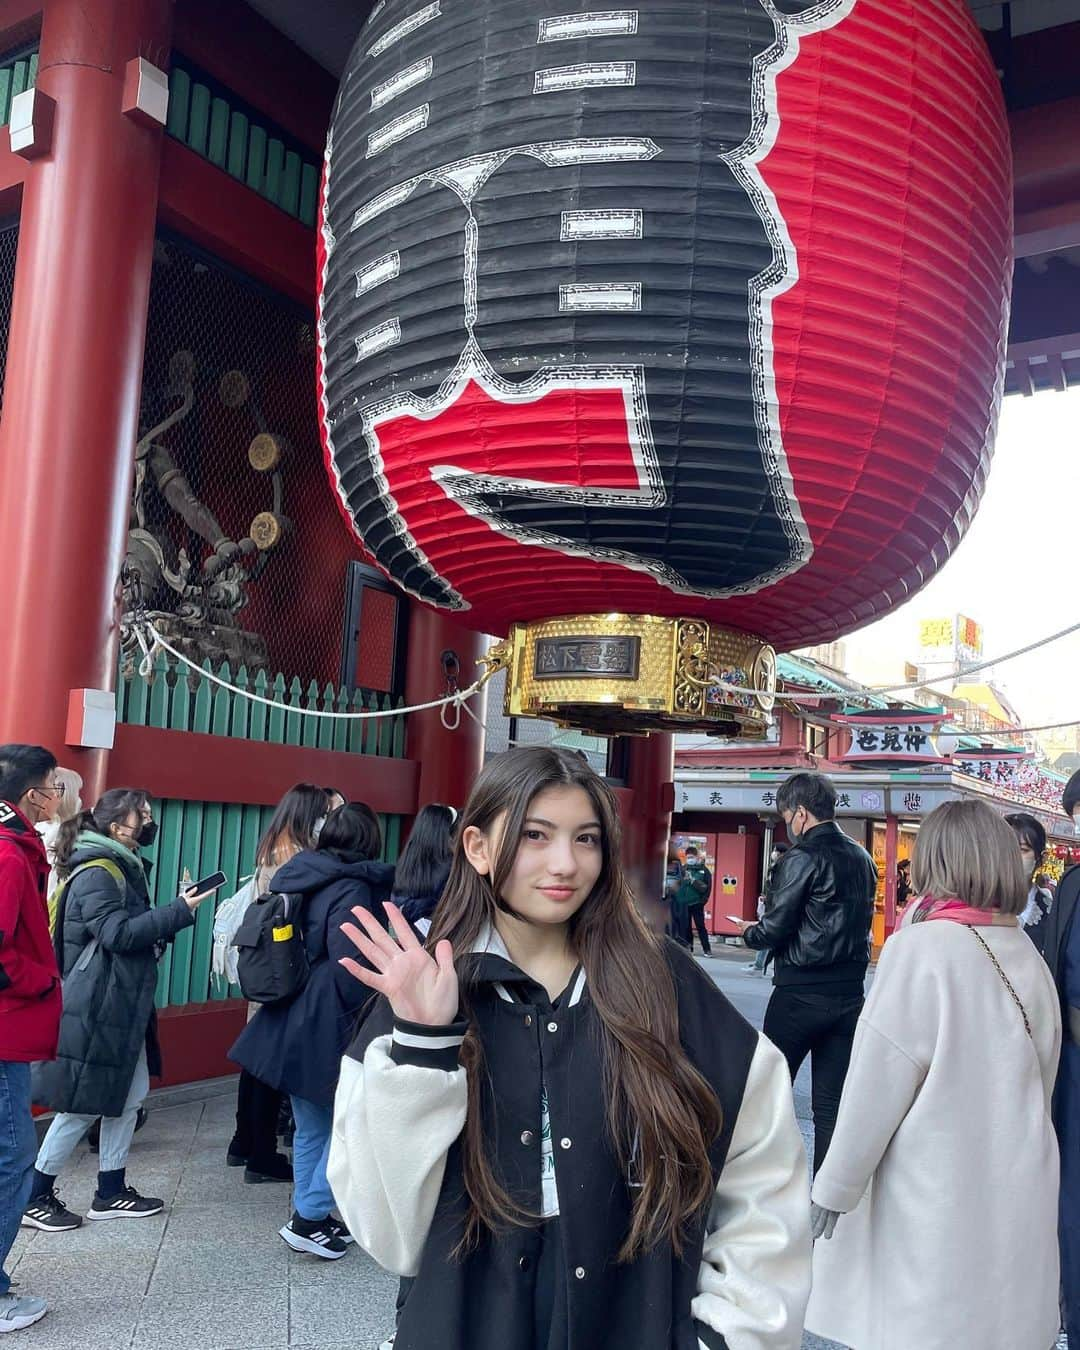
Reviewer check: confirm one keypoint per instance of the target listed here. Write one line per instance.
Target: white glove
(822, 1222)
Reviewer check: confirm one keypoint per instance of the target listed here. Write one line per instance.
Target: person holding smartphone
(107, 940)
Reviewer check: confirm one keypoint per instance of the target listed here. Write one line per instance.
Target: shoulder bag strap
(1005, 979)
(116, 872)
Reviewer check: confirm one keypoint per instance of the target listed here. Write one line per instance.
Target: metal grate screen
(236, 545)
(9, 244)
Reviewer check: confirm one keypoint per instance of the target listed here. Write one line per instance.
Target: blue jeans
(18, 1145)
(312, 1196)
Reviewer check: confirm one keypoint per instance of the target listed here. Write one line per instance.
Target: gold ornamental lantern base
(615, 674)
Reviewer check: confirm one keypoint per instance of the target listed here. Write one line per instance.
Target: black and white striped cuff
(427, 1047)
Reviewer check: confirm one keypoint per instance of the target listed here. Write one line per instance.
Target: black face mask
(147, 834)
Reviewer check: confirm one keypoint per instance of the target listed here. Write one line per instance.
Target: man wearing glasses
(29, 990)
(819, 907)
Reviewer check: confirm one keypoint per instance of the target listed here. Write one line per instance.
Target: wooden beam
(248, 55)
(188, 766)
(224, 216)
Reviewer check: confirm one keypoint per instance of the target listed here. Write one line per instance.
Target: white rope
(456, 700)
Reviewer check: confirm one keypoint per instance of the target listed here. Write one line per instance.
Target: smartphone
(735, 918)
(210, 883)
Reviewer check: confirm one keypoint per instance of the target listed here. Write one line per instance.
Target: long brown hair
(662, 1115)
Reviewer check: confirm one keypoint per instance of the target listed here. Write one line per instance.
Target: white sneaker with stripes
(317, 1237)
(126, 1204)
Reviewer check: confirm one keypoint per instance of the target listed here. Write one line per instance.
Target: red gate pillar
(650, 771)
(75, 350)
(449, 760)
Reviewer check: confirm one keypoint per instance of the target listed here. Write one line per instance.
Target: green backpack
(56, 910)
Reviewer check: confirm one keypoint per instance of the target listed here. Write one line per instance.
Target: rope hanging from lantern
(450, 705)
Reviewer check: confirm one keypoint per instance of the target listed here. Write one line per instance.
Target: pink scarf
(955, 911)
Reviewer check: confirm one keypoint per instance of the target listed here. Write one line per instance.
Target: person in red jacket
(29, 990)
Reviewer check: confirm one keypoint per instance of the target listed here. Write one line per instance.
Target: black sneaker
(315, 1236)
(277, 1168)
(48, 1213)
(339, 1230)
(126, 1204)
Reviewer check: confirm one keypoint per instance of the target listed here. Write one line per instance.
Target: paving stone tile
(357, 1310)
(221, 1319)
(183, 1265)
(105, 1236)
(55, 1274)
(80, 1322)
(206, 1224)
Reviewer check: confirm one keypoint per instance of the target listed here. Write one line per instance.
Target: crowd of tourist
(600, 1149)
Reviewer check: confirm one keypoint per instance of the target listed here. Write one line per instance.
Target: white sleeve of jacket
(396, 1114)
(754, 1281)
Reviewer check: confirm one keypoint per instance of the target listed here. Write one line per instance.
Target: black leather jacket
(818, 910)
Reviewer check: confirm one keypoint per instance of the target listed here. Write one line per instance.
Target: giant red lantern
(693, 311)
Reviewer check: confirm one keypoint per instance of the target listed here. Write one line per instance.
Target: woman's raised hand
(418, 988)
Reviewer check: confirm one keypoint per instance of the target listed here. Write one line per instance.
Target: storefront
(730, 815)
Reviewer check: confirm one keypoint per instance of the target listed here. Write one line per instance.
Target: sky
(1017, 571)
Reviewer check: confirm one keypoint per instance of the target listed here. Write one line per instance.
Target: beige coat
(944, 1163)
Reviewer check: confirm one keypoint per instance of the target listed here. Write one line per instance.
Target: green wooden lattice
(17, 74)
(202, 837)
(206, 121)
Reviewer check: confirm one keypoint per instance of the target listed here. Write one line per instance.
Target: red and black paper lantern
(684, 308)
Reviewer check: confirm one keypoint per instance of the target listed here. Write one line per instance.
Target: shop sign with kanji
(906, 740)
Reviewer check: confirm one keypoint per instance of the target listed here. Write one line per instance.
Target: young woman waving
(554, 1120)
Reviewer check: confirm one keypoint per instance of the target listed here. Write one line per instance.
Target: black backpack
(271, 961)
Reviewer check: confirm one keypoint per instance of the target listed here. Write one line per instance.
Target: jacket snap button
(527, 1137)
(580, 1272)
(524, 1263)
(564, 1143)
(528, 1019)
(553, 1026)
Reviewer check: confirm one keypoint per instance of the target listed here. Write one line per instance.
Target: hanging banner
(910, 739)
(998, 768)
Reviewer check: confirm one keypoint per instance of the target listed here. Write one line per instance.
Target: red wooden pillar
(650, 773)
(449, 760)
(75, 350)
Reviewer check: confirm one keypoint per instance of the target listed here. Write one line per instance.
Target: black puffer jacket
(108, 1006)
(818, 910)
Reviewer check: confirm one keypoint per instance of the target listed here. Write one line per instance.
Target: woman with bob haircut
(941, 1182)
(600, 1150)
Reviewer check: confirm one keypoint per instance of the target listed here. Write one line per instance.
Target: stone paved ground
(211, 1273)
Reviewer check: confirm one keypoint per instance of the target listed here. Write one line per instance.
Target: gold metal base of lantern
(616, 674)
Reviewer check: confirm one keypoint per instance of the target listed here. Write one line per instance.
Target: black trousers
(256, 1121)
(800, 1022)
(685, 920)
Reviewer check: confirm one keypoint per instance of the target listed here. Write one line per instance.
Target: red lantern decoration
(691, 310)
